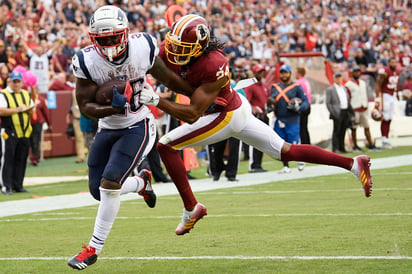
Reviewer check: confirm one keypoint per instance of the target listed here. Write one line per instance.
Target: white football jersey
(39, 65)
(141, 53)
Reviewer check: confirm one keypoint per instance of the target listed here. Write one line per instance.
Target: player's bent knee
(94, 189)
(285, 148)
(108, 184)
(161, 148)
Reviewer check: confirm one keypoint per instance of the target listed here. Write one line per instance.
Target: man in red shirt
(257, 95)
(40, 116)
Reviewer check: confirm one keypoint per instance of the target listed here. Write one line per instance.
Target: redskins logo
(203, 32)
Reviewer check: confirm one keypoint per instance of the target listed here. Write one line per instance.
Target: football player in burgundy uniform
(126, 130)
(385, 91)
(216, 112)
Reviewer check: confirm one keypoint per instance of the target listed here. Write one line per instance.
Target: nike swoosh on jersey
(132, 127)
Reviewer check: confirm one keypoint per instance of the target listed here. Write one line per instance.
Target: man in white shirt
(359, 101)
(40, 58)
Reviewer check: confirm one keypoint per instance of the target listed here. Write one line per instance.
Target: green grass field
(315, 225)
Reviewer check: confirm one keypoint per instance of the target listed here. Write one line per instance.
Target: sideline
(11, 208)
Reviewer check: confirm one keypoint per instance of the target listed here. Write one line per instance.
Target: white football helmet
(109, 31)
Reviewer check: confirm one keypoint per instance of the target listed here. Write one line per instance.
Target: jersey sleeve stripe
(83, 65)
(152, 47)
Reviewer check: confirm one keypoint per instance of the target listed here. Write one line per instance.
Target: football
(376, 114)
(295, 100)
(104, 93)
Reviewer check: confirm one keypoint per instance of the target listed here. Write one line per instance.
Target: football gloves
(118, 100)
(148, 96)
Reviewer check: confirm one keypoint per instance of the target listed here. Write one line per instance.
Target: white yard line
(290, 258)
(67, 218)
(18, 207)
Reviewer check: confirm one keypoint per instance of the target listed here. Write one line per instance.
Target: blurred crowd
(365, 32)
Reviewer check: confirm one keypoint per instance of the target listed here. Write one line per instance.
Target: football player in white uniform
(126, 130)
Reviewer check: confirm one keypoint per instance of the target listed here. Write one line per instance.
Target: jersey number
(222, 72)
(137, 86)
(392, 81)
(134, 105)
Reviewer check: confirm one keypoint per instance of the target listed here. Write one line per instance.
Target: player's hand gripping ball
(104, 94)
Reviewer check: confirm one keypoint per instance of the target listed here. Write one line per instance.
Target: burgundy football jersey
(207, 68)
(391, 80)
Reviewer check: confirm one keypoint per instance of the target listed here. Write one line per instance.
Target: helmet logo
(188, 37)
(203, 32)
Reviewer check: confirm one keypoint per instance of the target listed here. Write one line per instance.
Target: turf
(314, 225)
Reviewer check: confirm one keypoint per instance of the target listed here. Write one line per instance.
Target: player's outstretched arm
(201, 99)
(86, 99)
(170, 79)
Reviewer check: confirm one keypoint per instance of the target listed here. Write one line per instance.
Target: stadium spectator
(3, 54)
(73, 117)
(21, 57)
(338, 104)
(359, 101)
(39, 63)
(4, 74)
(304, 114)
(40, 116)
(257, 95)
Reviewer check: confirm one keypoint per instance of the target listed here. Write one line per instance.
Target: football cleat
(363, 173)
(83, 259)
(190, 218)
(357, 149)
(147, 191)
(285, 170)
(386, 145)
(373, 148)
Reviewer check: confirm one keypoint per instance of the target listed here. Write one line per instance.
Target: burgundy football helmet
(188, 37)
(109, 31)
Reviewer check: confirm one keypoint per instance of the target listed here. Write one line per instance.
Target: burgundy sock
(316, 155)
(385, 125)
(177, 172)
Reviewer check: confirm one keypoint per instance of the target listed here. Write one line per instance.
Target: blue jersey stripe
(83, 65)
(152, 46)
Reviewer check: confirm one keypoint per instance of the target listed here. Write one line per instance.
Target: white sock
(132, 184)
(106, 214)
(354, 168)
